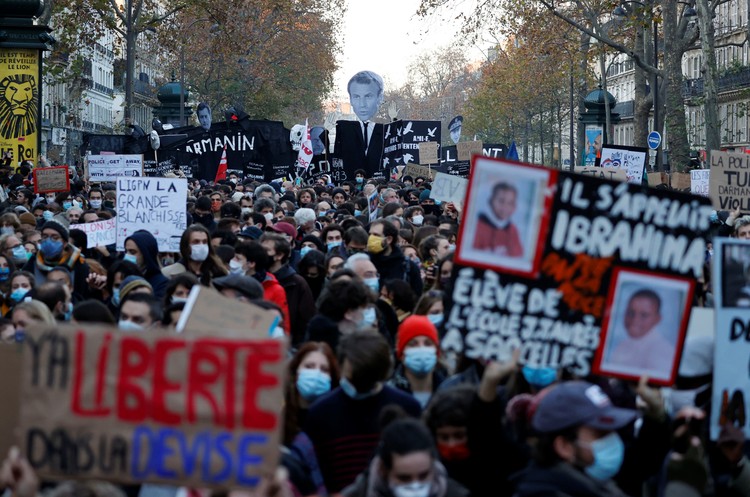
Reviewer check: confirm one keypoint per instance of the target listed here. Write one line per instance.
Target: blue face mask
(351, 391)
(373, 284)
(18, 294)
(360, 179)
(129, 326)
(130, 258)
(67, 205)
(332, 245)
(436, 319)
(420, 360)
(312, 383)
(609, 452)
(322, 214)
(4, 273)
(357, 212)
(48, 215)
(539, 377)
(68, 312)
(116, 297)
(19, 253)
(368, 318)
(51, 248)
(304, 251)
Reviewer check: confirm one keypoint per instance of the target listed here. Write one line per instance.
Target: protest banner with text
(699, 181)
(555, 274)
(448, 188)
(402, 139)
(100, 233)
(632, 160)
(107, 168)
(731, 379)
(157, 205)
(199, 411)
(730, 180)
(51, 179)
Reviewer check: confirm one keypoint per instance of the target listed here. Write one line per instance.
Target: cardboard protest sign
(731, 380)
(10, 392)
(466, 150)
(51, 179)
(416, 171)
(549, 261)
(632, 160)
(106, 168)
(680, 181)
(157, 205)
(208, 309)
(730, 181)
(448, 188)
(428, 152)
(401, 141)
(449, 163)
(699, 181)
(100, 233)
(201, 411)
(656, 179)
(603, 172)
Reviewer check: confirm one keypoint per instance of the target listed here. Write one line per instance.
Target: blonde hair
(36, 311)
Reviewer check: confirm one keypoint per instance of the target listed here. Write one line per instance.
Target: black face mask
(204, 219)
(109, 204)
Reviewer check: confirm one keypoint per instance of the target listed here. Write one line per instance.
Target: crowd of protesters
(373, 407)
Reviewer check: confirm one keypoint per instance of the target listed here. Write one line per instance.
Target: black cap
(246, 285)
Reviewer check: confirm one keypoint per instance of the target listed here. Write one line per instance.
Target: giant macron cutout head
(365, 94)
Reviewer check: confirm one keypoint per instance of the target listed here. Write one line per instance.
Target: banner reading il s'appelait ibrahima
(19, 103)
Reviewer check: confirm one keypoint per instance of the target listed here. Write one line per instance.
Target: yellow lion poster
(19, 103)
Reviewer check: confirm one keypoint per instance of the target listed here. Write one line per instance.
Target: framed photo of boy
(505, 220)
(644, 326)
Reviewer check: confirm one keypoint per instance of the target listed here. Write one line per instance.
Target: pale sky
(384, 36)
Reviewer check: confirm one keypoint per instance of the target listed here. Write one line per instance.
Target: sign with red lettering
(100, 233)
(199, 411)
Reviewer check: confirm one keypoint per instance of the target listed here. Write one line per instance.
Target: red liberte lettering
(162, 385)
(79, 373)
(135, 359)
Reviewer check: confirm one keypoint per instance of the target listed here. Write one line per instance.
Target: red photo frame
(54, 181)
(542, 185)
(661, 285)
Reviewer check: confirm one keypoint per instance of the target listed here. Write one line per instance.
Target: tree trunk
(130, 37)
(582, 90)
(679, 150)
(607, 111)
(643, 102)
(710, 76)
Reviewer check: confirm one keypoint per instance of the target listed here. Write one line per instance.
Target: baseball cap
(246, 285)
(578, 403)
(252, 232)
(286, 228)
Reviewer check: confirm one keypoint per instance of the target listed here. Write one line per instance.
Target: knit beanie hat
(131, 283)
(412, 327)
(424, 195)
(54, 225)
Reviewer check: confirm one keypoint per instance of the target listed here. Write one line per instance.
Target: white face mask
(199, 253)
(268, 216)
(417, 220)
(95, 204)
(414, 489)
(235, 267)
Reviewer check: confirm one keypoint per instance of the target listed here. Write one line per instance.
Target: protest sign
(416, 171)
(656, 179)
(51, 179)
(731, 380)
(106, 168)
(680, 181)
(449, 163)
(428, 152)
(100, 233)
(555, 274)
(603, 172)
(10, 392)
(466, 150)
(699, 180)
(153, 204)
(201, 411)
(448, 188)
(729, 184)
(632, 160)
(402, 140)
(206, 309)
(372, 203)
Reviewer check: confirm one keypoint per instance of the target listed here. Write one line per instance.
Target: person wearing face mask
(312, 268)
(197, 256)
(578, 451)
(203, 215)
(312, 373)
(417, 346)
(344, 424)
(345, 306)
(406, 465)
(139, 312)
(54, 250)
(382, 245)
(414, 215)
(142, 249)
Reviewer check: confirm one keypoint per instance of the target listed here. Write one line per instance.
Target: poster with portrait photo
(644, 326)
(505, 220)
(632, 160)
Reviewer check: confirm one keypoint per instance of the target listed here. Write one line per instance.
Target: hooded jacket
(395, 266)
(151, 268)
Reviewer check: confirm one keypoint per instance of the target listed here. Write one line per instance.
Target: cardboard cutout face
(365, 94)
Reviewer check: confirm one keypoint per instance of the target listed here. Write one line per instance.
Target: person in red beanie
(418, 372)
